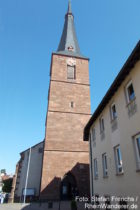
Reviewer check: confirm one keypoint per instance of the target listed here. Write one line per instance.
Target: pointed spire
(69, 7)
(69, 43)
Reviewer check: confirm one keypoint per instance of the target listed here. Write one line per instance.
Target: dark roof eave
(127, 67)
(70, 55)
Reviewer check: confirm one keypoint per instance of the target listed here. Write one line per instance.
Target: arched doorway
(68, 188)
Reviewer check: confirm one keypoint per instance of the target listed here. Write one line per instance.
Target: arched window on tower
(71, 72)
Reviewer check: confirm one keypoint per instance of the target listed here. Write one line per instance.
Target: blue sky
(30, 31)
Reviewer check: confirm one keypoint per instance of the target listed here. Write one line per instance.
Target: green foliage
(7, 185)
(3, 171)
(73, 205)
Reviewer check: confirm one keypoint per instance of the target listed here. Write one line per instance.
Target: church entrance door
(68, 187)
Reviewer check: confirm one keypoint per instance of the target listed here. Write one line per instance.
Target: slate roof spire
(69, 44)
(69, 7)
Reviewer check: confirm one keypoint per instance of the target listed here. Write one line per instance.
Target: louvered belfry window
(71, 72)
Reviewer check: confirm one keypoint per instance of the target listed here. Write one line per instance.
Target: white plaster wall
(127, 184)
(34, 170)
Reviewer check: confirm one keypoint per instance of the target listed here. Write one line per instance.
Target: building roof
(32, 147)
(5, 177)
(128, 66)
(69, 44)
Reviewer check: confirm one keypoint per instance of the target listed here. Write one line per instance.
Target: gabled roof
(128, 66)
(69, 44)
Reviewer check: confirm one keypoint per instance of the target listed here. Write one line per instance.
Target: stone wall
(64, 149)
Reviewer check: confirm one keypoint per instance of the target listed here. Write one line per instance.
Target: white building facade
(28, 175)
(114, 138)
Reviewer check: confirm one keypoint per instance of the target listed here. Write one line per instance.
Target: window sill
(130, 102)
(102, 134)
(105, 177)
(71, 80)
(95, 178)
(114, 124)
(132, 107)
(113, 120)
(119, 174)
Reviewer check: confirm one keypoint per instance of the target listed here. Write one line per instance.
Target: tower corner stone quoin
(66, 155)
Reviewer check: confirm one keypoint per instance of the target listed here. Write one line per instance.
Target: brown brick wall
(58, 164)
(61, 95)
(66, 130)
(59, 66)
(64, 149)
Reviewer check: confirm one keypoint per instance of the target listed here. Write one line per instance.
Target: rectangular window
(64, 190)
(101, 121)
(71, 72)
(40, 150)
(130, 94)
(93, 134)
(95, 169)
(137, 150)
(138, 146)
(104, 161)
(113, 112)
(93, 137)
(72, 104)
(118, 159)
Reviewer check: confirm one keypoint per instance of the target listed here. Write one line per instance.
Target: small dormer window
(70, 48)
(70, 72)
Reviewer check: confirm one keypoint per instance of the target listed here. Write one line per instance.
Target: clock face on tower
(71, 62)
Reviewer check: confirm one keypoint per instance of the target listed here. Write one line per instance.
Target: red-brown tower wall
(64, 148)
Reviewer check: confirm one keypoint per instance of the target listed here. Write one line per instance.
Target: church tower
(65, 170)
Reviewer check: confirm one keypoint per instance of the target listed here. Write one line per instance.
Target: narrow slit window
(72, 104)
(104, 161)
(95, 169)
(138, 145)
(113, 112)
(118, 159)
(101, 121)
(137, 150)
(93, 134)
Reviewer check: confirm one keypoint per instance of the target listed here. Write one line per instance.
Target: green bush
(7, 185)
(73, 205)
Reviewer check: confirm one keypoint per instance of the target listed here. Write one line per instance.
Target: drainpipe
(27, 175)
(91, 166)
